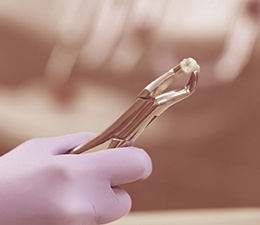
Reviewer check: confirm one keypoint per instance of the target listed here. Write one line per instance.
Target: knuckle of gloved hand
(72, 212)
(67, 202)
(59, 172)
(143, 162)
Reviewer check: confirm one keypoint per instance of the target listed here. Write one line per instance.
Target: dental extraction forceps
(150, 103)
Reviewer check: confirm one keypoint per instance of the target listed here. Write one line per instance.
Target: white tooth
(189, 65)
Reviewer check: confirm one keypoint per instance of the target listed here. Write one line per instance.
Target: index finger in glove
(122, 165)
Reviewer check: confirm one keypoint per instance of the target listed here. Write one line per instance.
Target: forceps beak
(150, 103)
(156, 88)
(186, 67)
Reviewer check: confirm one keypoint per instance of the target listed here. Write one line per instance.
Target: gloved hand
(40, 185)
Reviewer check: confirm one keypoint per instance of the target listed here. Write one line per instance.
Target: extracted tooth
(189, 65)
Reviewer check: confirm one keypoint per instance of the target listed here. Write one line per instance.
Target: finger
(62, 144)
(117, 204)
(122, 165)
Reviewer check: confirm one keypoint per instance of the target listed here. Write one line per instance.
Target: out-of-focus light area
(70, 66)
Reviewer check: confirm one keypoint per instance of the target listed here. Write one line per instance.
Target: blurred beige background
(71, 66)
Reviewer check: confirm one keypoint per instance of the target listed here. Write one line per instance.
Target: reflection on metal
(150, 103)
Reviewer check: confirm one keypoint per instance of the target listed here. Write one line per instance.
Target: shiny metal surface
(150, 103)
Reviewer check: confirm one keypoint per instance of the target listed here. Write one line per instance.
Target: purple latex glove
(40, 185)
